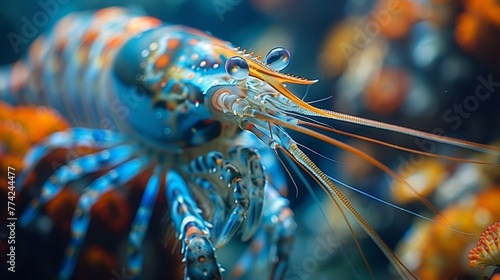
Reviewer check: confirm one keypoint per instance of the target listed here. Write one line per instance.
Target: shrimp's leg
(219, 213)
(273, 240)
(114, 178)
(205, 165)
(141, 222)
(243, 173)
(249, 163)
(229, 177)
(235, 181)
(74, 137)
(74, 170)
(193, 231)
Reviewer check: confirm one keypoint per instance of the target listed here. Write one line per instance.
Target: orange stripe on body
(142, 23)
(18, 77)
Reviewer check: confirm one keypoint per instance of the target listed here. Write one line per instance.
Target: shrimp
(145, 95)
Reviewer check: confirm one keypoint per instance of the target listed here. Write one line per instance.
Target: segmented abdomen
(70, 67)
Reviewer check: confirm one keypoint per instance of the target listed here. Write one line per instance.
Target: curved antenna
(275, 147)
(342, 212)
(349, 148)
(315, 198)
(394, 146)
(411, 132)
(336, 195)
(332, 191)
(373, 161)
(277, 80)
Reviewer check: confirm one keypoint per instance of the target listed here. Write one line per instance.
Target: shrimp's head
(157, 95)
(256, 85)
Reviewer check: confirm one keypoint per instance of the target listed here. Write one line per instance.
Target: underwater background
(413, 63)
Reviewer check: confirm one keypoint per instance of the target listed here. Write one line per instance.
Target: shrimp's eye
(278, 58)
(237, 68)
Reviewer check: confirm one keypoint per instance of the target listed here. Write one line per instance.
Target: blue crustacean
(147, 95)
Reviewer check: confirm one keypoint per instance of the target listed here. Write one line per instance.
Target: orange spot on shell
(192, 230)
(256, 247)
(173, 43)
(162, 61)
(193, 42)
(237, 272)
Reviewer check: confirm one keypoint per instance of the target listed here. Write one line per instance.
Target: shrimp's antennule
(487, 251)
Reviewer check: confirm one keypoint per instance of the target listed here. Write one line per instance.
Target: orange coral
(478, 28)
(487, 251)
(47, 121)
(486, 9)
(435, 251)
(20, 128)
(13, 137)
(467, 31)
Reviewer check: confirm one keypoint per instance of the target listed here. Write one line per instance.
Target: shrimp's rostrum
(170, 101)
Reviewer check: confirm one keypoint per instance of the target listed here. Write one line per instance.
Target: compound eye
(237, 68)
(278, 58)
